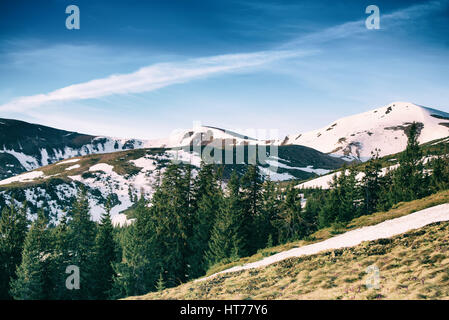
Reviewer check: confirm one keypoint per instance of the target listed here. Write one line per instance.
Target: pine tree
(409, 180)
(33, 276)
(81, 246)
(290, 224)
(171, 211)
(269, 212)
(252, 194)
(61, 258)
(160, 285)
(348, 195)
(136, 273)
(207, 197)
(105, 255)
(13, 230)
(439, 179)
(227, 236)
(372, 183)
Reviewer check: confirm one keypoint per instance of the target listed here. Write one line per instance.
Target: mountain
(408, 244)
(25, 146)
(126, 174)
(384, 128)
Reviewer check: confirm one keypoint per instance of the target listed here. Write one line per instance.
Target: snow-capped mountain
(25, 146)
(384, 128)
(126, 174)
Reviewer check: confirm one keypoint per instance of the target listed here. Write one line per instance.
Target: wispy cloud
(160, 75)
(152, 77)
(357, 27)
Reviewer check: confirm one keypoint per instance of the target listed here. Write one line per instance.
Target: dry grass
(397, 211)
(414, 265)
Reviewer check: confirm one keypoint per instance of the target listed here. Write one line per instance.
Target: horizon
(142, 70)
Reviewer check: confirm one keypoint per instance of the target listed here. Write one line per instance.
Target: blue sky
(143, 68)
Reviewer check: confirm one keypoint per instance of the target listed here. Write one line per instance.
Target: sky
(145, 68)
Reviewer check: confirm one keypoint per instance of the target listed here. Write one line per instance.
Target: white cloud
(151, 78)
(161, 75)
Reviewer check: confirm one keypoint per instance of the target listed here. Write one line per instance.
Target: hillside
(127, 173)
(25, 146)
(384, 128)
(412, 265)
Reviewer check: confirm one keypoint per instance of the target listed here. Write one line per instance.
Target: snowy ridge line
(386, 229)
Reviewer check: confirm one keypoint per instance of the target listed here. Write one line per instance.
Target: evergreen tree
(160, 285)
(409, 180)
(271, 203)
(136, 273)
(439, 179)
(171, 212)
(207, 197)
(13, 230)
(290, 224)
(81, 246)
(251, 184)
(372, 183)
(340, 205)
(32, 282)
(105, 255)
(226, 241)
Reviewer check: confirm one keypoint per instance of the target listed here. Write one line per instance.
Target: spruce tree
(105, 256)
(227, 236)
(252, 194)
(32, 282)
(207, 198)
(409, 180)
(290, 224)
(13, 230)
(81, 246)
(136, 273)
(269, 212)
(371, 183)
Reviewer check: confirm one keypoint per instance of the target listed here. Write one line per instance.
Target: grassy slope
(397, 211)
(414, 265)
(232, 285)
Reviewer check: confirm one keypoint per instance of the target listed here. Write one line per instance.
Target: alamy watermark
(72, 282)
(373, 21)
(373, 279)
(220, 146)
(73, 20)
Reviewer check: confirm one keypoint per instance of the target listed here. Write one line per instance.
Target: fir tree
(81, 246)
(226, 241)
(32, 282)
(409, 180)
(207, 197)
(135, 273)
(290, 224)
(13, 230)
(372, 183)
(105, 255)
(251, 195)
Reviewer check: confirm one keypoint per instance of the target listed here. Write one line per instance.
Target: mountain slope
(416, 260)
(126, 174)
(25, 146)
(384, 128)
(413, 265)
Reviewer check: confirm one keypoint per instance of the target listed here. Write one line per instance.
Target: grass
(414, 265)
(399, 210)
(119, 161)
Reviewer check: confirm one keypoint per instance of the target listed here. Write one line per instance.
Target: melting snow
(386, 229)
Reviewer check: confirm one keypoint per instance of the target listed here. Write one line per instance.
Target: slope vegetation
(412, 265)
